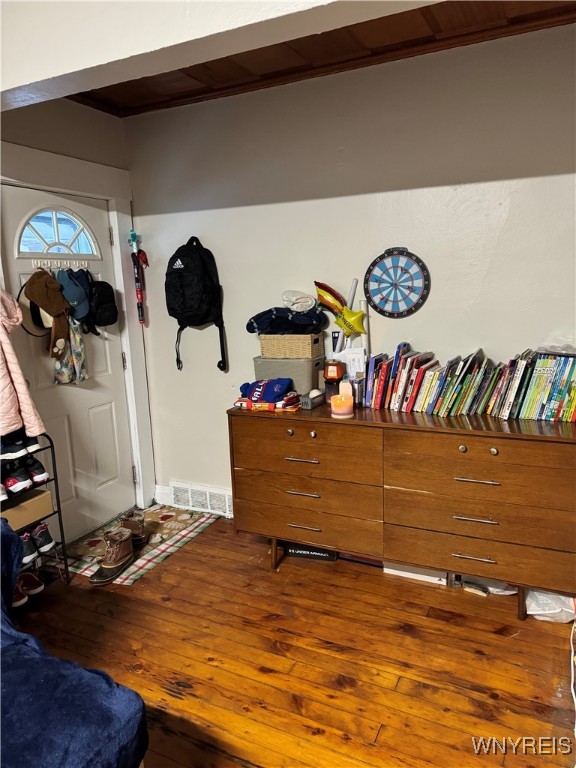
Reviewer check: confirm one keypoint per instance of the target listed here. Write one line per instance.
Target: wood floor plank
(312, 665)
(321, 652)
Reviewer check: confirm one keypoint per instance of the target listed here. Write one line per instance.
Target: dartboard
(397, 283)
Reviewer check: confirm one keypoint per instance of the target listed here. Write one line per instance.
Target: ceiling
(411, 33)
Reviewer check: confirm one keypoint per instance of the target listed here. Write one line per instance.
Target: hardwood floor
(317, 664)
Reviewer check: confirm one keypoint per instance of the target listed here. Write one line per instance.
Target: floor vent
(200, 498)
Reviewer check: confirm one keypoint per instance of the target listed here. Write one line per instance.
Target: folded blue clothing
(282, 320)
(266, 390)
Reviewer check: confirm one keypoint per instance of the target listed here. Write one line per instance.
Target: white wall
(466, 157)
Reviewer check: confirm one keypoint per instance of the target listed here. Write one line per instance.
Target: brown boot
(118, 556)
(133, 519)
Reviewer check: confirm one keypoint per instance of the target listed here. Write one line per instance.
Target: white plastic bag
(547, 606)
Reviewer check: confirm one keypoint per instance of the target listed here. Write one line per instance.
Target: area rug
(169, 528)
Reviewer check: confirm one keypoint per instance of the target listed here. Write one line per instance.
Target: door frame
(47, 171)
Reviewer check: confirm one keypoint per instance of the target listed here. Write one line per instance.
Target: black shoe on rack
(29, 551)
(42, 538)
(12, 449)
(31, 444)
(36, 471)
(15, 478)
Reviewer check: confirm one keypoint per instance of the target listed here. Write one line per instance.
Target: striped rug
(169, 528)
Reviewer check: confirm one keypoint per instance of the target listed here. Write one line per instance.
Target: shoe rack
(25, 509)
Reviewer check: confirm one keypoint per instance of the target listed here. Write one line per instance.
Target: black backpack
(102, 300)
(194, 293)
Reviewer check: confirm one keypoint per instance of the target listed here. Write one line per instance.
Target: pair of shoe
(36, 542)
(21, 474)
(26, 584)
(120, 544)
(15, 445)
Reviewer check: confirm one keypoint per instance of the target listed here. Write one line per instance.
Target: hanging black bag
(194, 294)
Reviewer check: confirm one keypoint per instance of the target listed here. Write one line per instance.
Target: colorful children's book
(523, 388)
(463, 373)
(451, 368)
(421, 400)
(373, 362)
(416, 379)
(562, 371)
(481, 387)
(401, 381)
(402, 348)
(516, 379)
(382, 383)
(563, 394)
(493, 381)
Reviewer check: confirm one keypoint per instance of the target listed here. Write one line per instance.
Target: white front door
(88, 421)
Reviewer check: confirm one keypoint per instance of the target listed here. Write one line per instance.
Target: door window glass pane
(30, 241)
(53, 231)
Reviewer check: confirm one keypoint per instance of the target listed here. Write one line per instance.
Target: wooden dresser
(477, 496)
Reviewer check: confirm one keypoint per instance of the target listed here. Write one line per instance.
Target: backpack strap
(223, 362)
(179, 363)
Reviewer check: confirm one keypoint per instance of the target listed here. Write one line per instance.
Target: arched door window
(56, 231)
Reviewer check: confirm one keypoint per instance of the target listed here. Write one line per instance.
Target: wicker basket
(292, 346)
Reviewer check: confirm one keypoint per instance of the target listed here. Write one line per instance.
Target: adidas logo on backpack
(194, 294)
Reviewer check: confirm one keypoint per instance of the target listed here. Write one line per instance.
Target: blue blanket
(55, 713)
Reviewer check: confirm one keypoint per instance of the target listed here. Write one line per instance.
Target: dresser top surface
(514, 428)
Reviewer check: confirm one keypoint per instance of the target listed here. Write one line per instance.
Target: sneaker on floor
(36, 471)
(15, 478)
(29, 548)
(3, 494)
(19, 598)
(29, 583)
(42, 538)
(13, 449)
(31, 444)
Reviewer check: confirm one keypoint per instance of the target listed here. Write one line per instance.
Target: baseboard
(200, 498)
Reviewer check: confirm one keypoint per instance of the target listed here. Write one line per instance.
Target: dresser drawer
(483, 481)
(550, 528)
(515, 564)
(309, 459)
(290, 431)
(318, 494)
(309, 527)
(491, 448)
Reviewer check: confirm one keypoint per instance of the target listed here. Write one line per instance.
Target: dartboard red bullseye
(397, 283)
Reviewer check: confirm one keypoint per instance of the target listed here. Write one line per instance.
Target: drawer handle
(300, 493)
(475, 520)
(471, 480)
(469, 557)
(305, 527)
(494, 451)
(303, 461)
(290, 432)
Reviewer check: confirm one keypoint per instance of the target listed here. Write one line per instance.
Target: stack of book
(539, 385)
